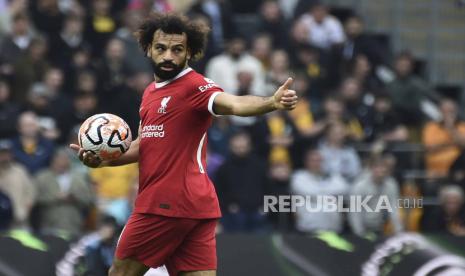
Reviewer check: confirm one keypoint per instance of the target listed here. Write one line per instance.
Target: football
(106, 135)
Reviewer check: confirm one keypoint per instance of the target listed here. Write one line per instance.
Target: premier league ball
(106, 135)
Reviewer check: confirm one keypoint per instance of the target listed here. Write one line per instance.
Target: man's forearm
(252, 105)
(131, 156)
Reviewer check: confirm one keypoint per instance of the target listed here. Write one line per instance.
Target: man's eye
(159, 48)
(177, 50)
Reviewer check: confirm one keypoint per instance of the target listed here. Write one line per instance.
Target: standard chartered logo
(153, 131)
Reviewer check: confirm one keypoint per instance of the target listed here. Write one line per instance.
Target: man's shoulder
(199, 82)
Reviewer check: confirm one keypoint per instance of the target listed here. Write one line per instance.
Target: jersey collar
(164, 83)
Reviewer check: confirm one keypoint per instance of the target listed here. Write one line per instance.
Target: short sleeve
(204, 94)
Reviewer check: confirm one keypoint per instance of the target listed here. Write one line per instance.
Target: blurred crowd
(368, 121)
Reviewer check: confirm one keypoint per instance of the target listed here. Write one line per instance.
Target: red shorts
(179, 243)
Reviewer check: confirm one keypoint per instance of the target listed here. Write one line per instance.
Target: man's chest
(163, 105)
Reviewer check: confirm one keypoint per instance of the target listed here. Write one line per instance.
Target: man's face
(448, 109)
(236, 48)
(28, 125)
(379, 172)
(353, 27)
(319, 13)
(169, 54)
(240, 145)
(403, 66)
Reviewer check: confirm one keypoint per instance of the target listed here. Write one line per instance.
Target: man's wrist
(274, 103)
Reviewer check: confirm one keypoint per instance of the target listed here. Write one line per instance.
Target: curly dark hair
(173, 23)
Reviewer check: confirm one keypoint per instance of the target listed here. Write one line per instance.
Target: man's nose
(168, 56)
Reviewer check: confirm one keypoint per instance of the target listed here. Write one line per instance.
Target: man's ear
(188, 56)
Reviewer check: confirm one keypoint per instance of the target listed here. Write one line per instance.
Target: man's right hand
(88, 158)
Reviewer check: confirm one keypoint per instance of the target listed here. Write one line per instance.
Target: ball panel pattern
(106, 135)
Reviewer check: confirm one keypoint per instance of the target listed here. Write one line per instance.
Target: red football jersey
(175, 116)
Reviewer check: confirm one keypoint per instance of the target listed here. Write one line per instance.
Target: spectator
(14, 45)
(30, 148)
(261, 49)
(47, 16)
(384, 124)
(57, 104)
(16, 183)
(274, 136)
(241, 182)
(134, 58)
(100, 25)
(64, 197)
(9, 112)
(30, 68)
(73, 138)
(308, 60)
(449, 217)
(320, 28)
(99, 254)
(408, 91)
(84, 106)
(219, 134)
(361, 69)
(338, 158)
(382, 189)
(412, 210)
(81, 61)
(355, 100)
(131, 96)
(86, 82)
(272, 22)
(357, 43)
(92, 253)
(280, 176)
(443, 140)
(9, 9)
(39, 102)
(279, 71)
(67, 41)
(112, 73)
(334, 111)
(312, 182)
(219, 18)
(303, 120)
(224, 68)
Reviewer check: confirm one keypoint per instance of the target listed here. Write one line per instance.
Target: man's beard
(167, 75)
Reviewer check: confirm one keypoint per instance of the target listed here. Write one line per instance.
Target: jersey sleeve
(204, 94)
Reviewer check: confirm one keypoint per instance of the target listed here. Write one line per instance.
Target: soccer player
(176, 210)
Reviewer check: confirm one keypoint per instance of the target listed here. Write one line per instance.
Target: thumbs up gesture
(284, 98)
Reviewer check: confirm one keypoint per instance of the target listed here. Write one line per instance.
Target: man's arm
(227, 104)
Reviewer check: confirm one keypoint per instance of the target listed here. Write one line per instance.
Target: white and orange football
(106, 135)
